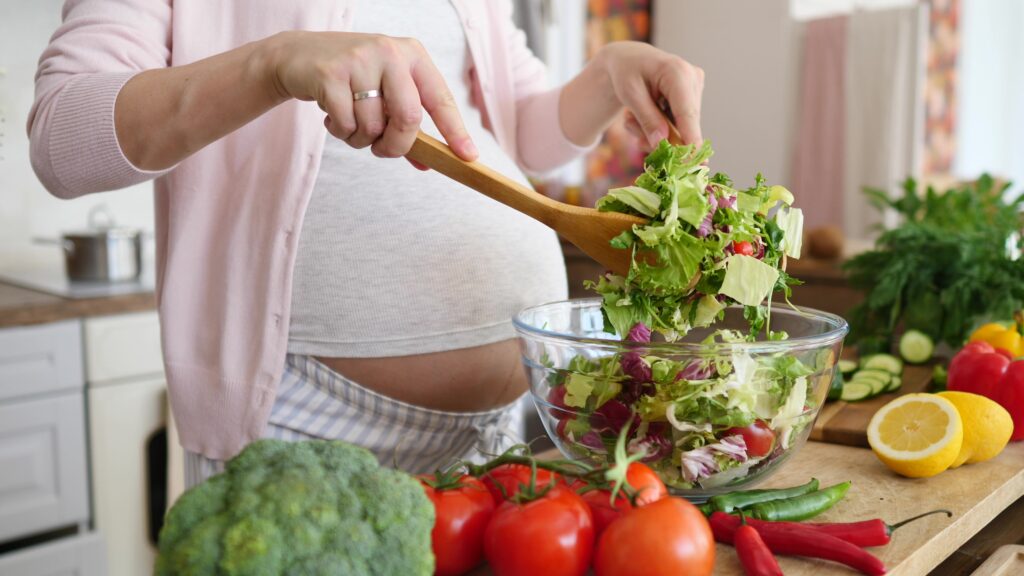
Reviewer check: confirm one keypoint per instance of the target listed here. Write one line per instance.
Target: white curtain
(885, 69)
(990, 109)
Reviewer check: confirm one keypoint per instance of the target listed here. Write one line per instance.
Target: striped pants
(315, 402)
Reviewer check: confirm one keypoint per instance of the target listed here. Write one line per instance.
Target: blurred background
(823, 96)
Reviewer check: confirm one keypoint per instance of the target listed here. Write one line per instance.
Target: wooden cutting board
(847, 422)
(1006, 561)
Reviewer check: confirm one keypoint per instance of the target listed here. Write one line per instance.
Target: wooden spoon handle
(437, 155)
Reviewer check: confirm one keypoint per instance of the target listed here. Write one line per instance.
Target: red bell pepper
(979, 368)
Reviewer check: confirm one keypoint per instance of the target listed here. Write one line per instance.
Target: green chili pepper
(706, 508)
(733, 500)
(799, 507)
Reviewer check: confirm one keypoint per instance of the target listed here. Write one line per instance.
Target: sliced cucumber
(887, 362)
(894, 384)
(916, 347)
(835, 389)
(877, 380)
(847, 366)
(854, 391)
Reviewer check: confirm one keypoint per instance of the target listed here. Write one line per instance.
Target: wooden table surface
(976, 494)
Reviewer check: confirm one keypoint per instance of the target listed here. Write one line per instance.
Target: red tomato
(641, 478)
(511, 476)
(668, 537)
(743, 247)
(758, 436)
(553, 535)
(461, 516)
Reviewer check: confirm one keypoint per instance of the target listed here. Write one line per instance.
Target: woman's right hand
(329, 67)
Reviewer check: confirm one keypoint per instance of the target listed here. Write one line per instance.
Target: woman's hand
(638, 77)
(330, 67)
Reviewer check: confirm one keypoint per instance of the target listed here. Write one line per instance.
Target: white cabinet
(77, 556)
(42, 465)
(122, 346)
(37, 360)
(122, 418)
(127, 400)
(65, 387)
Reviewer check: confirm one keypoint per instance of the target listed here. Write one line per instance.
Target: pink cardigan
(228, 217)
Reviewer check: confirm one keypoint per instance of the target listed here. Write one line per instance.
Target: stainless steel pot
(104, 252)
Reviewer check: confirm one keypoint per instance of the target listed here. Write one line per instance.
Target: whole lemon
(987, 427)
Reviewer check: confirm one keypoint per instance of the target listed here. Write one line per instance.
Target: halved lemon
(917, 435)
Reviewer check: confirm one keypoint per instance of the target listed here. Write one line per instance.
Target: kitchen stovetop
(53, 280)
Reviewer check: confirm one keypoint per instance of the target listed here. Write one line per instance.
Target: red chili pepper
(865, 533)
(794, 539)
(868, 532)
(755, 556)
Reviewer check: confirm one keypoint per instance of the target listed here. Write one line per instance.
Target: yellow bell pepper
(1001, 336)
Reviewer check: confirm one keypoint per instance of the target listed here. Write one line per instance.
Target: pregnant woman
(310, 286)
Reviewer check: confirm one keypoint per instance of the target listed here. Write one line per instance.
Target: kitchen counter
(23, 307)
(987, 501)
(976, 494)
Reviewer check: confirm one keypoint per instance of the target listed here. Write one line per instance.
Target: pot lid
(101, 224)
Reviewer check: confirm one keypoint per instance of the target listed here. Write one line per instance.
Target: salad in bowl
(685, 353)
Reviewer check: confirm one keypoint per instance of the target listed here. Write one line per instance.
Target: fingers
(404, 113)
(651, 120)
(336, 101)
(682, 85)
(417, 165)
(370, 119)
(633, 126)
(437, 100)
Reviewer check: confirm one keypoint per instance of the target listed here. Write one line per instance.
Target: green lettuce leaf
(678, 261)
(643, 201)
(748, 280)
(791, 220)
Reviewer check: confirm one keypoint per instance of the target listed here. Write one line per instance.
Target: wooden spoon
(587, 228)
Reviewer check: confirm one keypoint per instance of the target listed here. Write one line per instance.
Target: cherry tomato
(510, 476)
(758, 436)
(667, 537)
(743, 247)
(461, 516)
(553, 535)
(641, 477)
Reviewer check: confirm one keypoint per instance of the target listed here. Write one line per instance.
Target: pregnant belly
(466, 380)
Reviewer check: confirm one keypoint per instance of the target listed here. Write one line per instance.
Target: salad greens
(686, 268)
(707, 246)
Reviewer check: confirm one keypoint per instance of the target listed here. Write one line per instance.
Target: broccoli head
(313, 508)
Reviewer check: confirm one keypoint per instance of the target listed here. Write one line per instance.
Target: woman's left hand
(635, 76)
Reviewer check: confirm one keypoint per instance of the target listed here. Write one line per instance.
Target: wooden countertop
(24, 307)
(976, 494)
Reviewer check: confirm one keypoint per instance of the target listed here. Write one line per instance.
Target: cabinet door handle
(156, 482)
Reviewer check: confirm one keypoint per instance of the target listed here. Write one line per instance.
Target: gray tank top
(393, 261)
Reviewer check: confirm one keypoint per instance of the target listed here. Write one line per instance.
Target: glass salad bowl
(711, 412)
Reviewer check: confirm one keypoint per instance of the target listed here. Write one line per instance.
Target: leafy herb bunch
(950, 265)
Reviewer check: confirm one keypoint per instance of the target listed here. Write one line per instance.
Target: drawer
(43, 482)
(75, 556)
(122, 346)
(40, 359)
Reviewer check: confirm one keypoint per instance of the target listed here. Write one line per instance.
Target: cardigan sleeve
(99, 46)
(541, 144)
